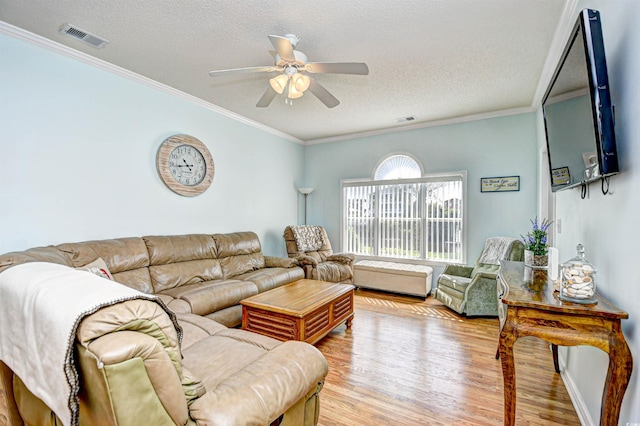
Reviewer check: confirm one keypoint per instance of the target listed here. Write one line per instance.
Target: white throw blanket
(41, 306)
(308, 237)
(496, 249)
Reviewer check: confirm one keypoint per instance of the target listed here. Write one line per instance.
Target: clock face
(187, 165)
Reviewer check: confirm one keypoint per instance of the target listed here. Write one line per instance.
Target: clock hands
(186, 165)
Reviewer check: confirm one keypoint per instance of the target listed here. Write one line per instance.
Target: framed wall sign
(560, 176)
(500, 184)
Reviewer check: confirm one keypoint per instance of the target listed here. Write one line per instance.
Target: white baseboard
(576, 398)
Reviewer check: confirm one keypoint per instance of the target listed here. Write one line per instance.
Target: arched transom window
(398, 167)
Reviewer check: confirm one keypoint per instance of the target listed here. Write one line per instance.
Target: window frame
(431, 177)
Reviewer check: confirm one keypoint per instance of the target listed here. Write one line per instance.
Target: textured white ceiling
(432, 59)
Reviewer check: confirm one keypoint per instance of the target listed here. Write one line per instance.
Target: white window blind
(421, 219)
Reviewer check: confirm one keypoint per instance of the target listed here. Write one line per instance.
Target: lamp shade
(305, 191)
(301, 82)
(279, 83)
(293, 93)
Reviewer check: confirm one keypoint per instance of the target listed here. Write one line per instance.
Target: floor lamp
(305, 192)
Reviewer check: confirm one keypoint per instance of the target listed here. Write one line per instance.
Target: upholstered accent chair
(310, 245)
(471, 290)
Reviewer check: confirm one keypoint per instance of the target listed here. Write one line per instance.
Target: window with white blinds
(421, 219)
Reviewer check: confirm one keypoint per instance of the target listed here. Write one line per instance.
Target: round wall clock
(185, 165)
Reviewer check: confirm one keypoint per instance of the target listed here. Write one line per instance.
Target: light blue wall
(503, 146)
(608, 225)
(78, 147)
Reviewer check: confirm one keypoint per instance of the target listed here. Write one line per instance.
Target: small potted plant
(535, 244)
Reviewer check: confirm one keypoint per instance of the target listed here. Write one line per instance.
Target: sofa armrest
(129, 350)
(280, 262)
(307, 260)
(346, 258)
(458, 270)
(130, 374)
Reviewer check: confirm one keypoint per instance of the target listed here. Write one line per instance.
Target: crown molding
(51, 45)
(435, 123)
(560, 36)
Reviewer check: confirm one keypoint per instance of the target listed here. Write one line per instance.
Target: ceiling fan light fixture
(294, 93)
(300, 82)
(279, 83)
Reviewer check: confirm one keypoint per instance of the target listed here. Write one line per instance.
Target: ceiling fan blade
(249, 70)
(358, 68)
(283, 47)
(266, 98)
(323, 94)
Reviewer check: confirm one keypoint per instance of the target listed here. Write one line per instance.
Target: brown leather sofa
(221, 375)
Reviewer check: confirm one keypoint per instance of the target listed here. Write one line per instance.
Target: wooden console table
(530, 307)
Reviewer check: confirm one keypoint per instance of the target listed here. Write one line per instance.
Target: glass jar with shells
(578, 279)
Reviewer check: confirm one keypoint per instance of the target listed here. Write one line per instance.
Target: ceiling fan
(293, 67)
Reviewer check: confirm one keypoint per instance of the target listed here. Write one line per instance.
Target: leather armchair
(471, 290)
(317, 257)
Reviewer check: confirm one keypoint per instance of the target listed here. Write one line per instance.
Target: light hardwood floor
(407, 361)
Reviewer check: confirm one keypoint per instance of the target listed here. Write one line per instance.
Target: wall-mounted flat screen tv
(577, 110)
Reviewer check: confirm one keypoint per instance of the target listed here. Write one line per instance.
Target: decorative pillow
(98, 267)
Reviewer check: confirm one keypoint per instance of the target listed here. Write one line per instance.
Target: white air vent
(90, 39)
(405, 119)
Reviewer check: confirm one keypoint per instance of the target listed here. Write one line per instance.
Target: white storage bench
(392, 276)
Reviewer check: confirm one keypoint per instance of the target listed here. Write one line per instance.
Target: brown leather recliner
(310, 245)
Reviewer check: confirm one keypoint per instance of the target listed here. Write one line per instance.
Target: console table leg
(554, 351)
(507, 339)
(615, 385)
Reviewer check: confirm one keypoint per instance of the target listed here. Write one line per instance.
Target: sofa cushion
(165, 277)
(239, 252)
(211, 296)
(176, 305)
(49, 254)
(121, 254)
(233, 266)
(245, 377)
(177, 260)
(165, 249)
(268, 278)
(235, 243)
(332, 271)
(230, 317)
(196, 328)
(126, 258)
(234, 351)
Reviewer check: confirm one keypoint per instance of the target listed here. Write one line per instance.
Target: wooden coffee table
(305, 310)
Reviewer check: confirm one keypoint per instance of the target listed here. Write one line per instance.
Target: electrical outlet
(559, 226)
